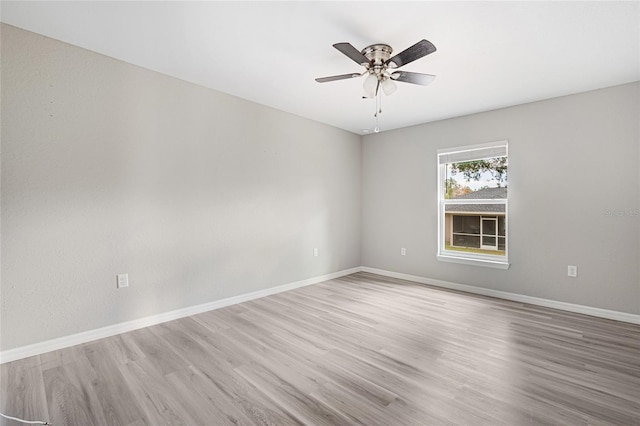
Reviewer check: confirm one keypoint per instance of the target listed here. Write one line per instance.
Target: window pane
(483, 178)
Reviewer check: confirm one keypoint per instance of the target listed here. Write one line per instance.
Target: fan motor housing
(377, 54)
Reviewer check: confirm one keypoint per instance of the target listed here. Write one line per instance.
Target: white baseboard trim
(570, 307)
(111, 330)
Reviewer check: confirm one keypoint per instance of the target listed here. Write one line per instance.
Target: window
(472, 203)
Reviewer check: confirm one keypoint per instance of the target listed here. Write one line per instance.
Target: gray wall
(108, 168)
(571, 159)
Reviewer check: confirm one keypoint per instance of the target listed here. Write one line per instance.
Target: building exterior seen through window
(473, 190)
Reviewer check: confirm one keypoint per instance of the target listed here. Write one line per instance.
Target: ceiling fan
(380, 66)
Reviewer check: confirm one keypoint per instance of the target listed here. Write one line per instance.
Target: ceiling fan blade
(417, 51)
(413, 77)
(337, 77)
(352, 52)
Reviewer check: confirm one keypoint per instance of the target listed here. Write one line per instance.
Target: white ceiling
(490, 54)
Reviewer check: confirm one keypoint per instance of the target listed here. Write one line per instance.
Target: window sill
(488, 263)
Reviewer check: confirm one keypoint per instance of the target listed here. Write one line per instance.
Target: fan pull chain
(378, 111)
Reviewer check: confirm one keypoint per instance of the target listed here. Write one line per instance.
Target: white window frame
(459, 154)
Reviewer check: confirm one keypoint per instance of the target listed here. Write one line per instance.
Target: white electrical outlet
(403, 251)
(572, 271)
(315, 252)
(123, 280)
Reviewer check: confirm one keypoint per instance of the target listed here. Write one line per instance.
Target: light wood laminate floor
(362, 349)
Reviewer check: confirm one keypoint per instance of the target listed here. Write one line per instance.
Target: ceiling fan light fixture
(388, 86)
(369, 86)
